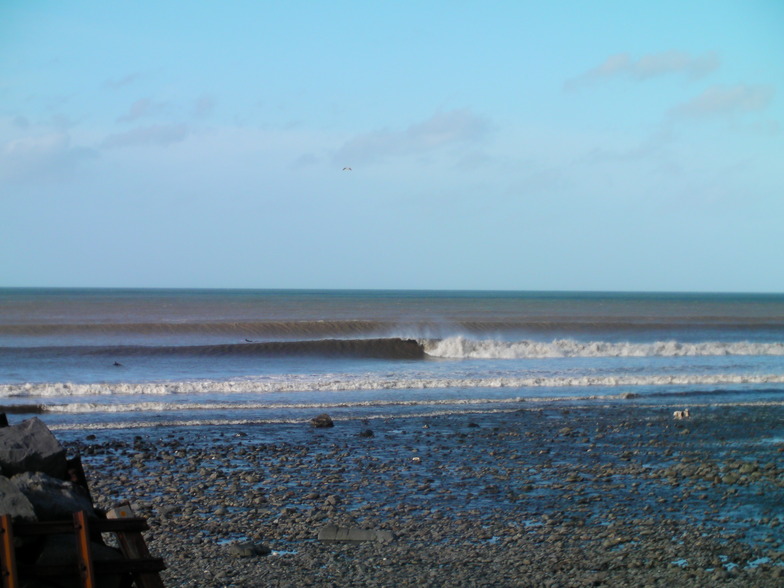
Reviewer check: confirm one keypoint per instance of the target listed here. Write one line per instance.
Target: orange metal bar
(7, 553)
(84, 555)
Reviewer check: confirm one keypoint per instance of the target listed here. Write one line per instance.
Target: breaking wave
(359, 383)
(396, 348)
(465, 348)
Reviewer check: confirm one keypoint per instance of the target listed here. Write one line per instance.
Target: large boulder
(52, 499)
(31, 447)
(322, 421)
(13, 502)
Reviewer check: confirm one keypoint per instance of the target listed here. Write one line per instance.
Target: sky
(509, 145)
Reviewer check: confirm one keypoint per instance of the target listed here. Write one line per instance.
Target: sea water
(92, 358)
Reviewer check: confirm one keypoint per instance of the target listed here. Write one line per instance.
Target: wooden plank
(83, 552)
(135, 524)
(7, 552)
(134, 548)
(115, 566)
(133, 566)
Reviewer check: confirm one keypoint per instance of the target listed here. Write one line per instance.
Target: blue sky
(492, 145)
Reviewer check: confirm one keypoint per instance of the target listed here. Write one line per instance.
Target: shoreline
(544, 495)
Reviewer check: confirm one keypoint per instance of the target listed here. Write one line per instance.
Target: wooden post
(83, 552)
(133, 546)
(7, 552)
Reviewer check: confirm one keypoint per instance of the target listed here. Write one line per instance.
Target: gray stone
(31, 447)
(13, 502)
(335, 534)
(322, 421)
(52, 499)
(248, 549)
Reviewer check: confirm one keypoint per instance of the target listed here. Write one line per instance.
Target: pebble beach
(543, 496)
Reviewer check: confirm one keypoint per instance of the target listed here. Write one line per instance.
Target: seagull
(346, 169)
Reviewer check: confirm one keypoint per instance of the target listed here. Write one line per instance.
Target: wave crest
(464, 348)
(358, 383)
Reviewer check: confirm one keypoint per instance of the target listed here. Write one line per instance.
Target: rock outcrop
(31, 447)
(52, 499)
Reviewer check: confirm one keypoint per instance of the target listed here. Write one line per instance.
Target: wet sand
(545, 496)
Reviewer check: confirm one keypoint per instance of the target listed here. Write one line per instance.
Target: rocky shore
(554, 496)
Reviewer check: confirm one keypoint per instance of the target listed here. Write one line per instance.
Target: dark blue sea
(95, 358)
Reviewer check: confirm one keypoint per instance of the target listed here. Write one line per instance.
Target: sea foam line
(88, 407)
(349, 383)
(93, 407)
(466, 348)
(188, 423)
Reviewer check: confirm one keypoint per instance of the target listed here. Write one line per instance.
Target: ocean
(130, 358)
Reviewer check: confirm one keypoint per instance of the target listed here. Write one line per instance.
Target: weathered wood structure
(136, 567)
(39, 544)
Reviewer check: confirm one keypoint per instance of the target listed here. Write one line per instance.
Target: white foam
(465, 348)
(340, 383)
(428, 412)
(84, 407)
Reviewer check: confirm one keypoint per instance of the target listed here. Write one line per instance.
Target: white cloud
(648, 66)
(723, 100)
(43, 156)
(142, 108)
(151, 135)
(442, 129)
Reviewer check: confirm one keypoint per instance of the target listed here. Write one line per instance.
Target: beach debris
(416, 459)
(334, 534)
(366, 433)
(322, 421)
(681, 414)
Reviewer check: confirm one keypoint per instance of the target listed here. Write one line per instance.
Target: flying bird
(346, 169)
